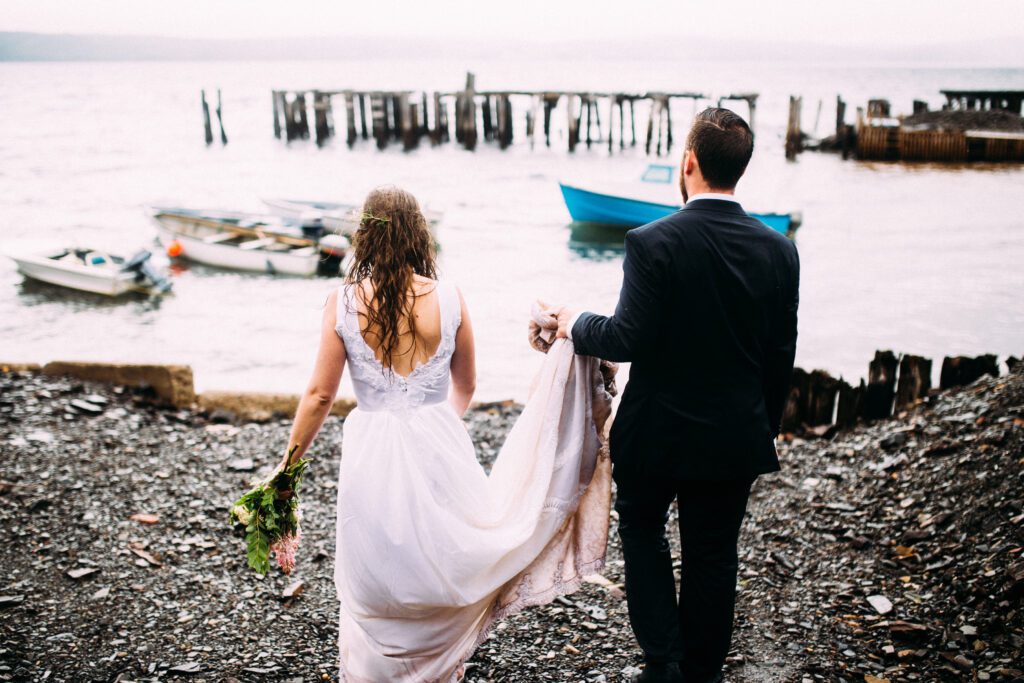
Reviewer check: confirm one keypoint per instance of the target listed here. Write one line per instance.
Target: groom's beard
(682, 188)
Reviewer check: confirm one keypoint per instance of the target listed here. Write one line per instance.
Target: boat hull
(192, 247)
(336, 217)
(81, 278)
(595, 207)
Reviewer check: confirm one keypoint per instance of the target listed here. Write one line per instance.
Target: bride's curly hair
(392, 244)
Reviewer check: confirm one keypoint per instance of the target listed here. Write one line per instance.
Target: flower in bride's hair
(366, 218)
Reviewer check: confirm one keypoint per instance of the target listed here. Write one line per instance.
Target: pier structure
(470, 116)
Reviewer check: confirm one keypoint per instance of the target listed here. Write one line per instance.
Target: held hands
(548, 323)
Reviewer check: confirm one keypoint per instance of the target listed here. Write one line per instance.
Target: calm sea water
(924, 259)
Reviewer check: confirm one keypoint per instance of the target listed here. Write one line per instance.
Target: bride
(431, 551)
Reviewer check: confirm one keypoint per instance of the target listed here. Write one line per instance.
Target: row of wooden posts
(819, 402)
(408, 117)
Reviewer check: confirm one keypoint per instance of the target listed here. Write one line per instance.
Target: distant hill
(15, 46)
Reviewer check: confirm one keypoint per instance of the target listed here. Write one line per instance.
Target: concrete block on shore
(260, 407)
(172, 383)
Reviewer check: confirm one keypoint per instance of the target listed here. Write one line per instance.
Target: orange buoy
(174, 249)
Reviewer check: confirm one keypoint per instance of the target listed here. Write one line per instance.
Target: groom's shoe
(659, 673)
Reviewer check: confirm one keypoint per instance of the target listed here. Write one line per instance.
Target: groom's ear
(689, 162)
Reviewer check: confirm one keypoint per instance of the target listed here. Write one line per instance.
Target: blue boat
(595, 207)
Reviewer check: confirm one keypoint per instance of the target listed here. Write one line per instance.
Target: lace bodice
(383, 389)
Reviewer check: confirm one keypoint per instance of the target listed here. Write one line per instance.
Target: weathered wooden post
(632, 121)
(379, 119)
(915, 380)
(320, 118)
(794, 143)
(467, 113)
(842, 137)
(881, 388)
(587, 103)
(220, 120)
(505, 121)
(206, 118)
(289, 117)
(277, 120)
(961, 370)
(611, 123)
(574, 121)
(435, 133)
(550, 102)
(445, 134)
(424, 120)
(650, 126)
(531, 119)
(752, 108)
(350, 119)
(488, 121)
(851, 404)
(410, 123)
(300, 103)
(362, 116)
(668, 124)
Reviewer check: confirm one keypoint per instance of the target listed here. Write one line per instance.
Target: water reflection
(597, 241)
(36, 293)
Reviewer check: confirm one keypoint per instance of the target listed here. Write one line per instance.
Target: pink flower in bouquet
(284, 550)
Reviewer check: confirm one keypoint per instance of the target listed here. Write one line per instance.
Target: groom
(707, 317)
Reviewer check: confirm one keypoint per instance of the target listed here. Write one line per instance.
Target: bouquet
(270, 513)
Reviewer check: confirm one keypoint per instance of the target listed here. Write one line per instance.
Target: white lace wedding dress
(431, 551)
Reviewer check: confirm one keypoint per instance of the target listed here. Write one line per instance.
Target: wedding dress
(431, 551)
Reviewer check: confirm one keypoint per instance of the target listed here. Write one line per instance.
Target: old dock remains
(471, 116)
(973, 125)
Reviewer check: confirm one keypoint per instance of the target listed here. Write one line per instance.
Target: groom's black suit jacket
(707, 316)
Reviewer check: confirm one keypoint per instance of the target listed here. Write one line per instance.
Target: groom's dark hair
(723, 143)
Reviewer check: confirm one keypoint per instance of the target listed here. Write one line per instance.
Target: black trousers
(695, 627)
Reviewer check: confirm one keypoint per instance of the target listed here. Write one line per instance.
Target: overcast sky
(886, 23)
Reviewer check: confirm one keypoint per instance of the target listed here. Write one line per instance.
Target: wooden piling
(850, 407)
(632, 121)
(587, 103)
(668, 125)
(350, 119)
(794, 136)
(303, 117)
(206, 118)
(915, 380)
(409, 123)
(277, 120)
(466, 111)
(550, 102)
(504, 129)
(320, 125)
(220, 120)
(842, 136)
(573, 121)
(650, 126)
(362, 116)
(881, 389)
(379, 119)
(962, 370)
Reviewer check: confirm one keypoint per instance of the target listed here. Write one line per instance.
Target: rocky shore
(890, 552)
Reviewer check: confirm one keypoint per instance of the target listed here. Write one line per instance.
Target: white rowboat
(236, 247)
(336, 216)
(88, 270)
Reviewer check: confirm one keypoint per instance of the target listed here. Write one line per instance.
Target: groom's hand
(564, 316)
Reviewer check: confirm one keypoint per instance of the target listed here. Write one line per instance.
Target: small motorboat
(91, 270)
(611, 209)
(239, 241)
(336, 216)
